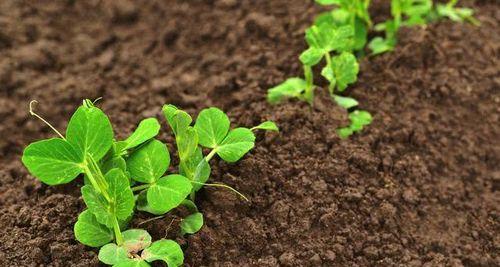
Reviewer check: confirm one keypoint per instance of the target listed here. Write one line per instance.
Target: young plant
(352, 13)
(89, 148)
(456, 14)
(340, 70)
(404, 13)
(113, 171)
(359, 119)
(211, 131)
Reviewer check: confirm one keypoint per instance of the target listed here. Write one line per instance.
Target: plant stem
(211, 154)
(140, 187)
(331, 86)
(309, 92)
(118, 233)
(224, 186)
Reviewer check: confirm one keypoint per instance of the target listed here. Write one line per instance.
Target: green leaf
(122, 199)
(135, 240)
(292, 87)
(346, 68)
(177, 119)
(166, 250)
(149, 162)
(344, 132)
(192, 223)
(132, 263)
(360, 34)
(328, 2)
(188, 166)
(187, 143)
(90, 131)
(345, 102)
(311, 56)
(143, 205)
(268, 126)
(168, 192)
(112, 254)
(189, 205)
(212, 126)
(53, 161)
(90, 232)
(112, 163)
(146, 130)
(237, 143)
(379, 45)
(359, 119)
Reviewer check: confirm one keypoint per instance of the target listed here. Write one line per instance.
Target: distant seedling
(115, 170)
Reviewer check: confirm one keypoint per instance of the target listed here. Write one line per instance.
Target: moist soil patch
(418, 187)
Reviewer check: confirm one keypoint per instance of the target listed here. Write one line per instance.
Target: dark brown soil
(419, 187)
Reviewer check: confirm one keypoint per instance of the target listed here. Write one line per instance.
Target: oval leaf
(292, 87)
(166, 250)
(237, 143)
(90, 232)
(168, 192)
(212, 126)
(192, 223)
(53, 161)
(149, 162)
(135, 240)
(268, 126)
(89, 131)
(112, 254)
(147, 129)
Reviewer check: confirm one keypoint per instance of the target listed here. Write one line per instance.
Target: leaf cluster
(122, 176)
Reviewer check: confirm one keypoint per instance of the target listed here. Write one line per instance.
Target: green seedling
(340, 70)
(359, 119)
(210, 131)
(456, 14)
(414, 13)
(353, 13)
(404, 13)
(115, 170)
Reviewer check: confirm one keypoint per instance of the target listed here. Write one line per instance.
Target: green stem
(211, 154)
(224, 186)
(118, 233)
(140, 187)
(331, 86)
(309, 92)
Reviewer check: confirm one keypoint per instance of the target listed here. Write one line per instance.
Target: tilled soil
(419, 187)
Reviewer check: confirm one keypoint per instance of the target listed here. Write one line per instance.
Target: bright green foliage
(168, 192)
(53, 161)
(353, 13)
(147, 129)
(345, 102)
(211, 130)
(90, 132)
(455, 13)
(268, 126)
(90, 232)
(192, 223)
(415, 12)
(112, 254)
(165, 250)
(291, 88)
(110, 167)
(342, 71)
(212, 126)
(359, 119)
(149, 162)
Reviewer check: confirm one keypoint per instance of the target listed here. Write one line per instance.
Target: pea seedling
(415, 12)
(352, 13)
(114, 170)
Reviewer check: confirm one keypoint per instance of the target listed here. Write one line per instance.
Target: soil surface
(419, 187)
